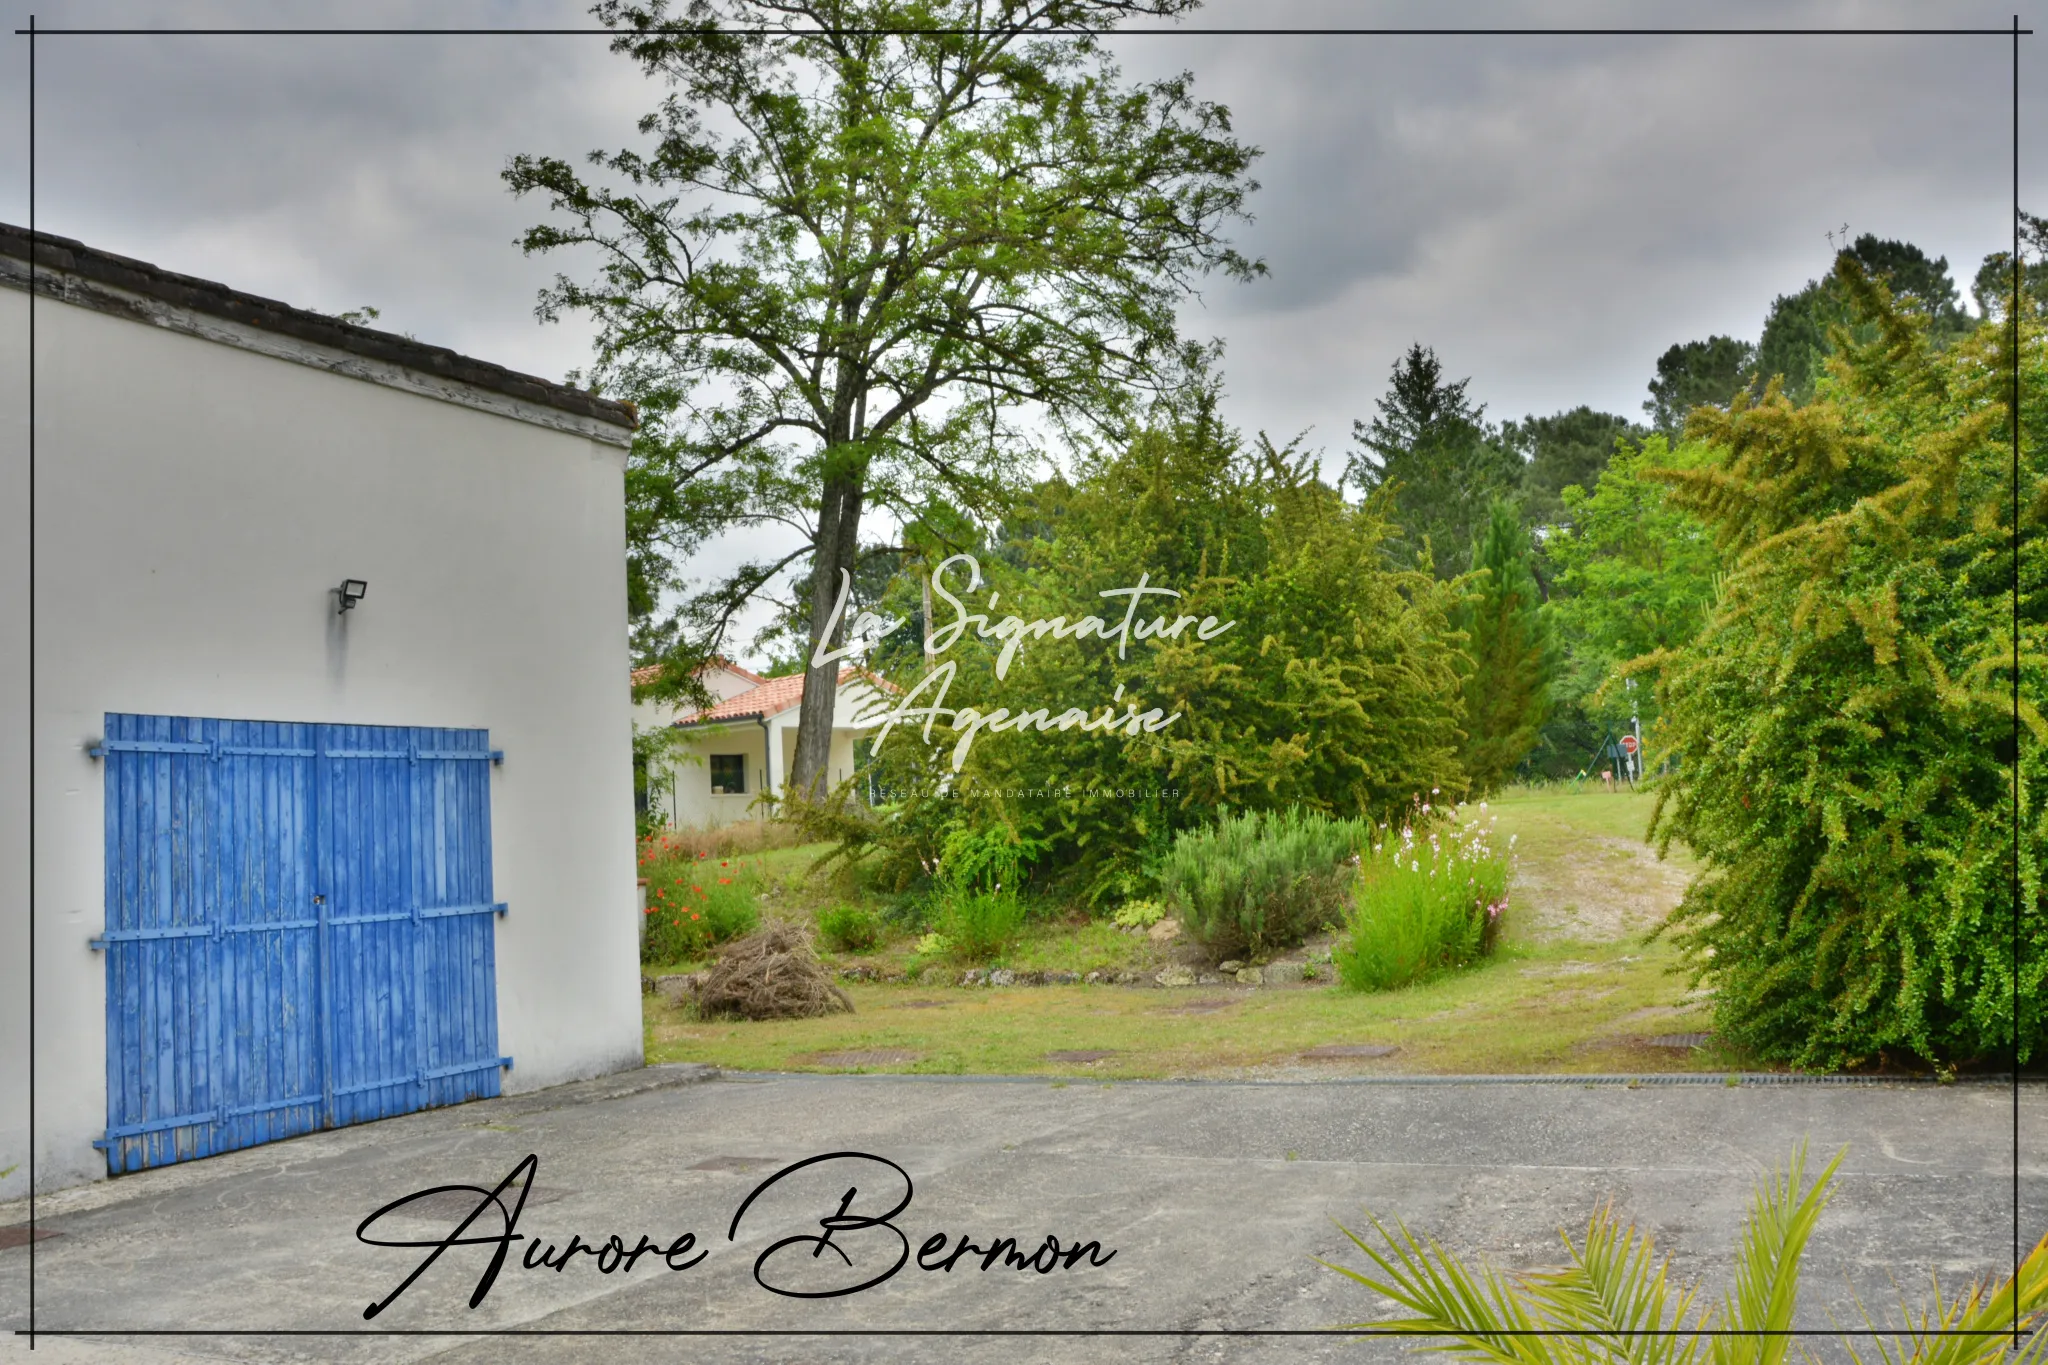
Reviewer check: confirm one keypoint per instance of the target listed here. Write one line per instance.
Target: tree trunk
(838, 538)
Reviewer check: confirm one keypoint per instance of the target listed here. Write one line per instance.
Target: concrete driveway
(1213, 1196)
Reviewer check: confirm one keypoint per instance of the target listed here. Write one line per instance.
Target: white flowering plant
(1431, 895)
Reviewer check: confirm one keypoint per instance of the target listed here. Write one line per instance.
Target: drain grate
(1332, 1051)
(1203, 1006)
(1682, 1041)
(921, 1005)
(17, 1235)
(1077, 1056)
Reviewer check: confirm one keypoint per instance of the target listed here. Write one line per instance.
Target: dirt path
(1582, 870)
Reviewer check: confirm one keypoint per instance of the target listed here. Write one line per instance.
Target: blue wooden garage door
(299, 930)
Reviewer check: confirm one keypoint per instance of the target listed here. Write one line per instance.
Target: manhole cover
(17, 1235)
(1203, 1006)
(734, 1163)
(876, 1056)
(922, 1005)
(1680, 1040)
(1077, 1056)
(1333, 1050)
(452, 1206)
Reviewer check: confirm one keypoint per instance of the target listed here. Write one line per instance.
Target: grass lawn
(1526, 1010)
(1574, 987)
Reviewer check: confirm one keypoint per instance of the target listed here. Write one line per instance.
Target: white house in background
(744, 747)
(328, 728)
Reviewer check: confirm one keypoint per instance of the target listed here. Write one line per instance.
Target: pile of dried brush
(773, 973)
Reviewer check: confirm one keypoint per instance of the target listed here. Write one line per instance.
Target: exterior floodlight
(350, 592)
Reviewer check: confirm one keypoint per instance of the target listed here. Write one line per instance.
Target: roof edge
(66, 256)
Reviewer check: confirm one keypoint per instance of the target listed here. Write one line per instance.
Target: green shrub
(1262, 880)
(1863, 799)
(695, 903)
(1424, 902)
(849, 928)
(1138, 914)
(1336, 689)
(980, 924)
(991, 857)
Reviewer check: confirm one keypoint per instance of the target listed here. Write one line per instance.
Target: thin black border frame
(32, 32)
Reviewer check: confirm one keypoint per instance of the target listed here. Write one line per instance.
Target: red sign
(1628, 743)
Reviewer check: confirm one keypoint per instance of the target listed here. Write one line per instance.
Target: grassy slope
(1575, 989)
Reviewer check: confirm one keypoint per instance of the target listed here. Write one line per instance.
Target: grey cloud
(1549, 213)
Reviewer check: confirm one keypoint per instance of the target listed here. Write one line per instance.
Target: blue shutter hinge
(502, 908)
(498, 757)
(504, 1063)
(97, 943)
(96, 749)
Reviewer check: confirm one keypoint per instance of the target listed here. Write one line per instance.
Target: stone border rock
(1313, 970)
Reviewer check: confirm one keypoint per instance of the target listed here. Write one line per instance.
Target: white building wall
(692, 804)
(14, 750)
(682, 793)
(196, 503)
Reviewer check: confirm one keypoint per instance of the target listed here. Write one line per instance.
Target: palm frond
(1781, 1218)
(1979, 1327)
(1613, 1303)
(1618, 1292)
(1480, 1313)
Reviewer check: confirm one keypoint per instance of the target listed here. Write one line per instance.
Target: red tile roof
(643, 676)
(773, 697)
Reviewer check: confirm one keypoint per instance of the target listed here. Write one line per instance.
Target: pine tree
(1507, 691)
(1434, 446)
(1694, 374)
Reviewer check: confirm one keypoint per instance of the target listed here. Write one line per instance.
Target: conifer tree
(1856, 745)
(1444, 462)
(1507, 692)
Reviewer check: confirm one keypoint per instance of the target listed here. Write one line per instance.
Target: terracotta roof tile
(771, 698)
(774, 696)
(643, 676)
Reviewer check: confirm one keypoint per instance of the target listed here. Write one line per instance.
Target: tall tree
(1631, 574)
(1561, 451)
(1799, 333)
(1697, 374)
(1993, 285)
(1431, 445)
(1506, 693)
(869, 232)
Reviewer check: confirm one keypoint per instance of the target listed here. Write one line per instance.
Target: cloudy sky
(1549, 213)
